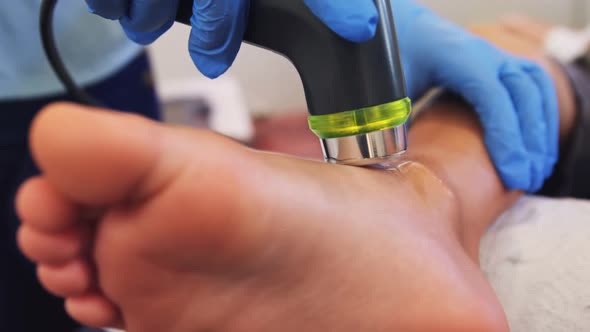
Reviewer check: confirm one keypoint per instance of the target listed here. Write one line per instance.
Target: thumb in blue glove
(218, 26)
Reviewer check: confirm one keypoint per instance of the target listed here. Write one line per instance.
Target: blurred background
(262, 82)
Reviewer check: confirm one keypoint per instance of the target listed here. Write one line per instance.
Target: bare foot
(153, 228)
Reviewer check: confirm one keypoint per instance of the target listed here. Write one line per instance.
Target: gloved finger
(111, 9)
(149, 17)
(502, 134)
(146, 38)
(217, 31)
(353, 20)
(528, 103)
(551, 112)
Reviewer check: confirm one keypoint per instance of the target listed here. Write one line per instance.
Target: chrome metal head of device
(366, 149)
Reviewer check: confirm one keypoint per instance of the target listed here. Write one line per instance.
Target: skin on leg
(188, 239)
(528, 28)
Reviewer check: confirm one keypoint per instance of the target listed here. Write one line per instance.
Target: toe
(71, 279)
(93, 310)
(51, 248)
(103, 157)
(41, 206)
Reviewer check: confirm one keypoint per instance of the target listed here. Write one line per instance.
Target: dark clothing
(24, 305)
(572, 173)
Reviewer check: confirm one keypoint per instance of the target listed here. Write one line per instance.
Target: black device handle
(337, 75)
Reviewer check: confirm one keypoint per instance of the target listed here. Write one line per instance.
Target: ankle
(431, 184)
(432, 192)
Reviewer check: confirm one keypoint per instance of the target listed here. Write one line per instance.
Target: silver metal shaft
(366, 149)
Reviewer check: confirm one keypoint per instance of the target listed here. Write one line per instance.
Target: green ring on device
(361, 121)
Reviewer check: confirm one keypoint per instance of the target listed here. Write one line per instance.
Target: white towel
(537, 257)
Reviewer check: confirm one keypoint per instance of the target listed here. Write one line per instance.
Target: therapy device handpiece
(356, 93)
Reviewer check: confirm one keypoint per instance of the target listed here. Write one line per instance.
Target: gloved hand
(218, 26)
(514, 98)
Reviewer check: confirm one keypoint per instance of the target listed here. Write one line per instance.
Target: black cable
(48, 39)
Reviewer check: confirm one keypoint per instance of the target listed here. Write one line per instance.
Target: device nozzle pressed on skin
(366, 136)
(366, 149)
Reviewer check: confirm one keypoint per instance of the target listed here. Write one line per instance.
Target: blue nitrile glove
(218, 26)
(514, 98)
